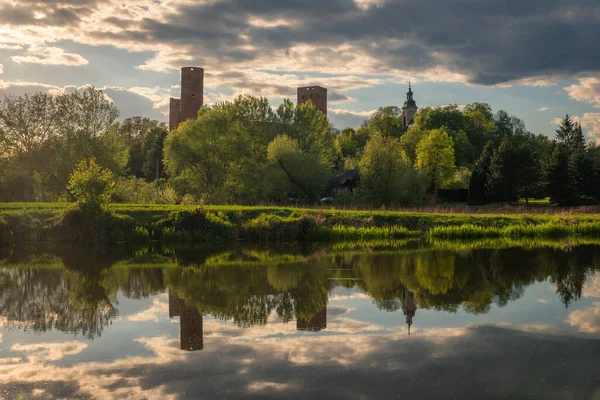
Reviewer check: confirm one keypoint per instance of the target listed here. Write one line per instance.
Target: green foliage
(387, 122)
(268, 227)
(410, 141)
(560, 180)
(545, 230)
(91, 185)
(435, 157)
(506, 182)
(303, 170)
(478, 194)
(386, 176)
(153, 153)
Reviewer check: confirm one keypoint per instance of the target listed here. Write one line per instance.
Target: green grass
(552, 229)
(37, 222)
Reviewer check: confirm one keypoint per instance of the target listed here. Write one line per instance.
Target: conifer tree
(478, 182)
(560, 182)
(564, 133)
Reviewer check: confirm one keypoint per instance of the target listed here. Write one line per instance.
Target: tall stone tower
(192, 97)
(316, 94)
(409, 110)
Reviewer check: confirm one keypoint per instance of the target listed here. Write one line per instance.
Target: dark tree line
(565, 169)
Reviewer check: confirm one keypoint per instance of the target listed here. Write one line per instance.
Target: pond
(417, 322)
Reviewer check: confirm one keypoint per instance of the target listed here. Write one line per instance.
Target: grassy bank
(55, 222)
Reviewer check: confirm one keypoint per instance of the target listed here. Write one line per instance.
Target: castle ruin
(192, 97)
(316, 94)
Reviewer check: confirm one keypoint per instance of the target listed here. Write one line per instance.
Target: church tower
(410, 108)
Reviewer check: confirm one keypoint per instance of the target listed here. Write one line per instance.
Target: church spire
(410, 108)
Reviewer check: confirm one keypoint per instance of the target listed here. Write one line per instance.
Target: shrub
(91, 185)
(273, 227)
(197, 224)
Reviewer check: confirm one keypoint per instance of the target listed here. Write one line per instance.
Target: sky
(536, 59)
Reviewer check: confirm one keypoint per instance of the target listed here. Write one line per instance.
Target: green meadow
(128, 223)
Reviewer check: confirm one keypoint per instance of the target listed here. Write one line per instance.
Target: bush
(273, 227)
(91, 185)
(197, 225)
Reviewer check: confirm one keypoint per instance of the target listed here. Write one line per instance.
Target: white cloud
(149, 102)
(592, 286)
(49, 56)
(590, 122)
(587, 320)
(356, 113)
(1, 69)
(159, 309)
(542, 301)
(542, 109)
(587, 91)
(42, 352)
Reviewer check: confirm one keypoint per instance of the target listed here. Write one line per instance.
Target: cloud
(587, 91)
(590, 122)
(159, 309)
(542, 301)
(49, 56)
(542, 109)
(592, 286)
(42, 352)
(586, 320)
(1, 69)
(148, 102)
(389, 363)
(360, 37)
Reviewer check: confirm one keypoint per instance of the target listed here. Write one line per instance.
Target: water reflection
(191, 335)
(79, 295)
(337, 322)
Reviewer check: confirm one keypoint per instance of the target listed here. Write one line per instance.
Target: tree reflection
(249, 286)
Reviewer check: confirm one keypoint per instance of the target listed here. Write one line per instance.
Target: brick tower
(192, 97)
(316, 94)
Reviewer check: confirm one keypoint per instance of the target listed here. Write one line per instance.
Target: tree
(560, 183)
(133, 131)
(386, 174)
(153, 152)
(514, 170)
(387, 121)
(27, 122)
(410, 140)
(435, 157)
(478, 183)
(564, 133)
(203, 150)
(87, 131)
(303, 170)
(91, 185)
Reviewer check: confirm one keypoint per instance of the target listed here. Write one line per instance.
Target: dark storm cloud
(487, 42)
(491, 42)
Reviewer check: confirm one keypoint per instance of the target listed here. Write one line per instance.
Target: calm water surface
(413, 323)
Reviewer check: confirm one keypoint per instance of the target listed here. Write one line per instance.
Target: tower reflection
(190, 323)
(409, 308)
(316, 324)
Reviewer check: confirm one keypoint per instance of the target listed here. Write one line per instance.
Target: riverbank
(61, 223)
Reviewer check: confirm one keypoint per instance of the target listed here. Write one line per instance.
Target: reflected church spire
(409, 308)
